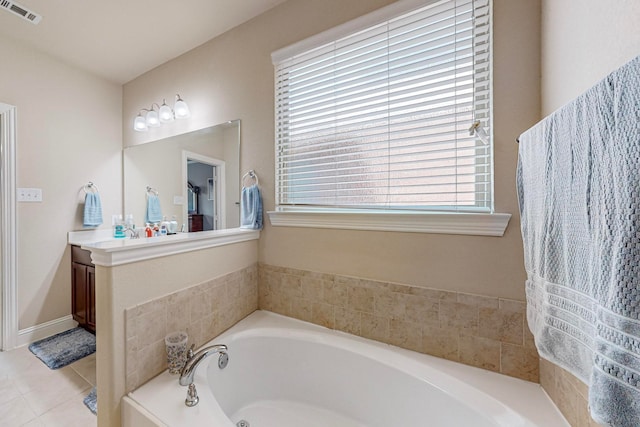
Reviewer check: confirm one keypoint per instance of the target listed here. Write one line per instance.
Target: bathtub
(284, 373)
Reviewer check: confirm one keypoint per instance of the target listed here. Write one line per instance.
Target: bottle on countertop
(128, 222)
(173, 225)
(148, 231)
(118, 227)
(164, 223)
(156, 229)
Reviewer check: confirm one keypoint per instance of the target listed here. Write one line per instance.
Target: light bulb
(139, 123)
(165, 113)
(181, 108)
(153, 121)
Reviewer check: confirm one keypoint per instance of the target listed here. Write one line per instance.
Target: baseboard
(34, 333)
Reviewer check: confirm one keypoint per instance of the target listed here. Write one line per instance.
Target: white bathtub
(286, 373)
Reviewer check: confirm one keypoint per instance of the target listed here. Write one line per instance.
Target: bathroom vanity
(83, 288)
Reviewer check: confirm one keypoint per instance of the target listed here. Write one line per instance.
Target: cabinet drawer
(80, 255)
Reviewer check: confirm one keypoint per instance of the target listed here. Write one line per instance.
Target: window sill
(477, 224)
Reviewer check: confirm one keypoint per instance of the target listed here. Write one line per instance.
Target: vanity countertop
(79, 238)
(108, 251)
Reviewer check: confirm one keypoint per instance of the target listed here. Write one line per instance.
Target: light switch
(29, 194)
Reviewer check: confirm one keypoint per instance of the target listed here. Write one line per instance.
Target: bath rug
(91, 401)
(64, 348)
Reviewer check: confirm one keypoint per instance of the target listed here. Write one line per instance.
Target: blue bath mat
(91, 401)
(64, 348)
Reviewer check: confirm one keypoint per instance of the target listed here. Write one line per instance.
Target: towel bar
(90, 186)
(251, 174)
(152, 191)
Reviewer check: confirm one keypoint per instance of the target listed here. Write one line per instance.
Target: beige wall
(232, 77)
(582, 42)
(69, 133)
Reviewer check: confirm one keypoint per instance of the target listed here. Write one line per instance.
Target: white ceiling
(122, 39)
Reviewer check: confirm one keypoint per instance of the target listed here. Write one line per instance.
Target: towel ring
(152, 191)
(252, 175)
(90, 187)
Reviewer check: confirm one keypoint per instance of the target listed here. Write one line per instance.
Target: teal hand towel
(92, 210)
(251, 208)
(154, 213)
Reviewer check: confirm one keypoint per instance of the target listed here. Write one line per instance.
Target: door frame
(8, 227)
(221, 199)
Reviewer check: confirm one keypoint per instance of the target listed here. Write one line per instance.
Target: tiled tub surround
(486, 332)
(568, 393)
(203, 311)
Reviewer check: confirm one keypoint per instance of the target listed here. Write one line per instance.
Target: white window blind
(380, 119)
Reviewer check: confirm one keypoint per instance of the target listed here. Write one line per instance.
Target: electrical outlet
(29, 194)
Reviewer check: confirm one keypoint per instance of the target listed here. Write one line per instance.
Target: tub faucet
(186, 376)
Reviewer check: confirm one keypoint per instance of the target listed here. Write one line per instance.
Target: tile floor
(33, 395)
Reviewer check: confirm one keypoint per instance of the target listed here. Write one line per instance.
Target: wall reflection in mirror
(196, 175)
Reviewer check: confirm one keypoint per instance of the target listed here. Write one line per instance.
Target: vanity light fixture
(181, 108)
(139, 123)
(166, 113)
(157, 115)
(153, 121)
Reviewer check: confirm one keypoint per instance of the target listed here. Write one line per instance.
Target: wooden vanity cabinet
(195, 222)
(83, 288)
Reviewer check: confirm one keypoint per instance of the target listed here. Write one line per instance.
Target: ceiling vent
(21, 11)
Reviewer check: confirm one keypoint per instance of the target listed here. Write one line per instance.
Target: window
(393, 116)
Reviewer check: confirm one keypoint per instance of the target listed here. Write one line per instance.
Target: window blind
(380, 118)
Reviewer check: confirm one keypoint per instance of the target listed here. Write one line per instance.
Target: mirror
(196, 176)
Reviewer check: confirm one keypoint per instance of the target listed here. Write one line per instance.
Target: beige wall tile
(312, 288)
(434, 294)
(349, 321)
(520, 362)
(568, 393)
(323, 314)
(481, 352)
(152, 325)
(360, 298)
(153, 360)
(460, 316)
(440, 342)
(405, 334)
(567, 399)
(132, 355)
(423, 310)
(548, 378)
(302, 309)
(461, 327)
(390, 304)
(335, 293)
(375, 327)
(501, 325)
(203, 311)
(478, 300)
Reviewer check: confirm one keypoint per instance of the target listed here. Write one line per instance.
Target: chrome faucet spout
(134, 233)
(186, 376)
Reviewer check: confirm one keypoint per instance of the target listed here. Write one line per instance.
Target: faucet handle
(190, 352)
(192, 396)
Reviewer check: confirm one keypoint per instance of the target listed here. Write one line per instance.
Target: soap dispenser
(118, 227)
(173, 225)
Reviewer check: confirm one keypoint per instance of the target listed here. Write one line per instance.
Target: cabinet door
(79, 299)
(91, 298)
